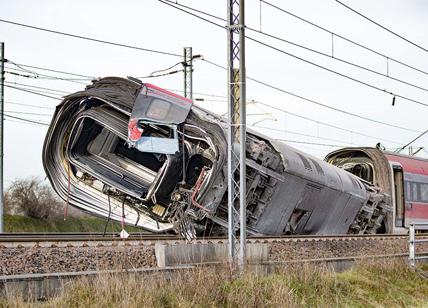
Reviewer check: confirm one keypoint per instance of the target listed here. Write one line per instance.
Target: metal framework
(188, 72)
(413, 257)
(2, 60)
(237, 130)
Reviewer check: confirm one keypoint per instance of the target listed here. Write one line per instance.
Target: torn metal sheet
(130, 151)
(157, 106)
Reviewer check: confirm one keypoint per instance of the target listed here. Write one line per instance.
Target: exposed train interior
(101, 158)
(357, 163)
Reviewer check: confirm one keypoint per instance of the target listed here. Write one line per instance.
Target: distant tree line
(31, 197)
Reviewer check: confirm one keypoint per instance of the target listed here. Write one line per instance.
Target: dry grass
(390, 284)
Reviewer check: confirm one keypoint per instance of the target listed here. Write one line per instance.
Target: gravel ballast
(28, 260)
(298, 250)
(73, 259)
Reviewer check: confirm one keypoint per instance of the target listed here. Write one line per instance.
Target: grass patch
(16, 223)
(391, 284)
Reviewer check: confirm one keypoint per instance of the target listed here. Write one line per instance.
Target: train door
(398, 195)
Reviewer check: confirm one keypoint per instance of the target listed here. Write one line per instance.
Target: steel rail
(99, 237)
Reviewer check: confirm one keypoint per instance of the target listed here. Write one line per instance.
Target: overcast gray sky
(151, 24)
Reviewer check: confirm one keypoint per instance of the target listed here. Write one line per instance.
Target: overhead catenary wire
(326, 124)
(32, 92)
(413, 140)
(29, 105)
(388, 58)
(29, 113)
(338, 73)
(50, 70)
(89, 38)
(313, 143)
(161, 75)
(37, 75)
(341, 128)
(383, 27)
(309, 62)
(330, 56)
(309, 100)
(37, 87)
(25, 120)
(287, 131)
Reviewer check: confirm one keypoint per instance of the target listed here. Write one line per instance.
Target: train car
(133, 152)
(403, 177)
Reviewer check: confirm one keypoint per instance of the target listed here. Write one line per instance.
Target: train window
(415, 192)
(408, 192)
(424, 192)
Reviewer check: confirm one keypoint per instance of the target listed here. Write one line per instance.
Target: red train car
(403, 177)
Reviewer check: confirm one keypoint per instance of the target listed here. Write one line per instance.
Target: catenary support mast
(2, 60)
(237, 130)
(188, 72)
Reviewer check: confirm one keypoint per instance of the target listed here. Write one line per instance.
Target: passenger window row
(416, 192)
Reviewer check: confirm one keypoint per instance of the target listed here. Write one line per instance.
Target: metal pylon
(188, 72)
(237, 131)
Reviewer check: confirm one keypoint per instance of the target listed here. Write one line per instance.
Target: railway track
(73, 252)
(17, 240)
(73, 236)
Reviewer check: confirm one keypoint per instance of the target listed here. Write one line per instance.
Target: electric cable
(32, 92)
(413, 140)
(330, 56)
(266, 84)
(25, 120)
(29, 105)
(89, 38)
(305, 60)
(346, 39)
(383, 27)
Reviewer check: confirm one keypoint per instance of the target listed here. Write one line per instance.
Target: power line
(266, 84)
(51, 70)
(89, 38)
(29, 113)
(305, 118)
(341, 60)
(338, 73)
(161, 75)
(388, 58)
(383, 27)
(305, 60)
(413, 140)
(26, 120)
(32, 92)
(39, 76)
(330, 56)
(42, 76)
(299, 134)
(29, 105)
(37, 91)
(326, 124)
(37, 87)
(313, 143)
(199, 93)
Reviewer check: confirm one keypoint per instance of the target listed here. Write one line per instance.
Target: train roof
(409, 163)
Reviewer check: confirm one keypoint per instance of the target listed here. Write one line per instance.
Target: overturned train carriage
(130, 151)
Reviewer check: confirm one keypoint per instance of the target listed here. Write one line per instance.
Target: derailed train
(130, 151)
